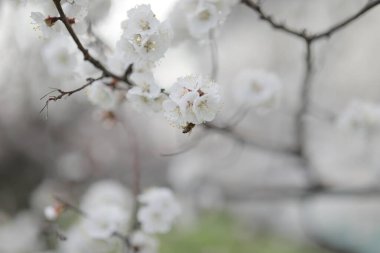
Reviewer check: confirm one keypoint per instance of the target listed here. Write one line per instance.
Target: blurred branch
(230, 132)
(214, 56)
(86, 54)
(136, 171)
(268, 18)
(305, 96)
(344, 23)
(304, 34)
(284, 193)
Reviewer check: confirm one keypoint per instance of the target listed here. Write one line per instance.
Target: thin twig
(63, 93)
(344, 23)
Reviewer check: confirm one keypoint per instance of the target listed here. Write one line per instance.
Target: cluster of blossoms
(106, 213)
(258, 89)
(145, 39)
(192, 100)
(197, 18)
(360, 115)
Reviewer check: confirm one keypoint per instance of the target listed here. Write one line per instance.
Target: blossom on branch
(48, 20)
(146, 95)
(192, 100)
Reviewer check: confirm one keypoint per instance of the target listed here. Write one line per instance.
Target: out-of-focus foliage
(219, 233)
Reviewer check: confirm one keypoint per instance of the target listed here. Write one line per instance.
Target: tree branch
(86, 54)
(63, 93)
(230, 132)
(304, 34)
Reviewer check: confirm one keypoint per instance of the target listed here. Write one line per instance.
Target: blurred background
(218, 181)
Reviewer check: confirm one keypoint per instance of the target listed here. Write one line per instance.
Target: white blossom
(158, 211)
(141, 20)
(259, 89)
(145, 40)
(107, 206)
(41, 23)
(144, 242)
(47, 22)
(192, 99)
(105, 220)
(101, 94)
(78, 240)
(360, 115)
(196, 18)
(60, 60)
(106, 192)
(146, 95)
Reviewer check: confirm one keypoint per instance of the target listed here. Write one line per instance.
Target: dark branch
(344, 23)
(303, 34)
(86, 54)
(277, 25)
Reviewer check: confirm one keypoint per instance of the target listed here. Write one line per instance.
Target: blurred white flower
(58, 58)
(79, 241)
(43, 24)
(105, 220)
(196, 18)
(101, 94)
(144, 40)
(146, 96)
(20, 235)
(104, 193)
(144, 242)
(202, 19)
(159, 210)
(192, 99)
(360, 115)
(259, 89)
(141, 20)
